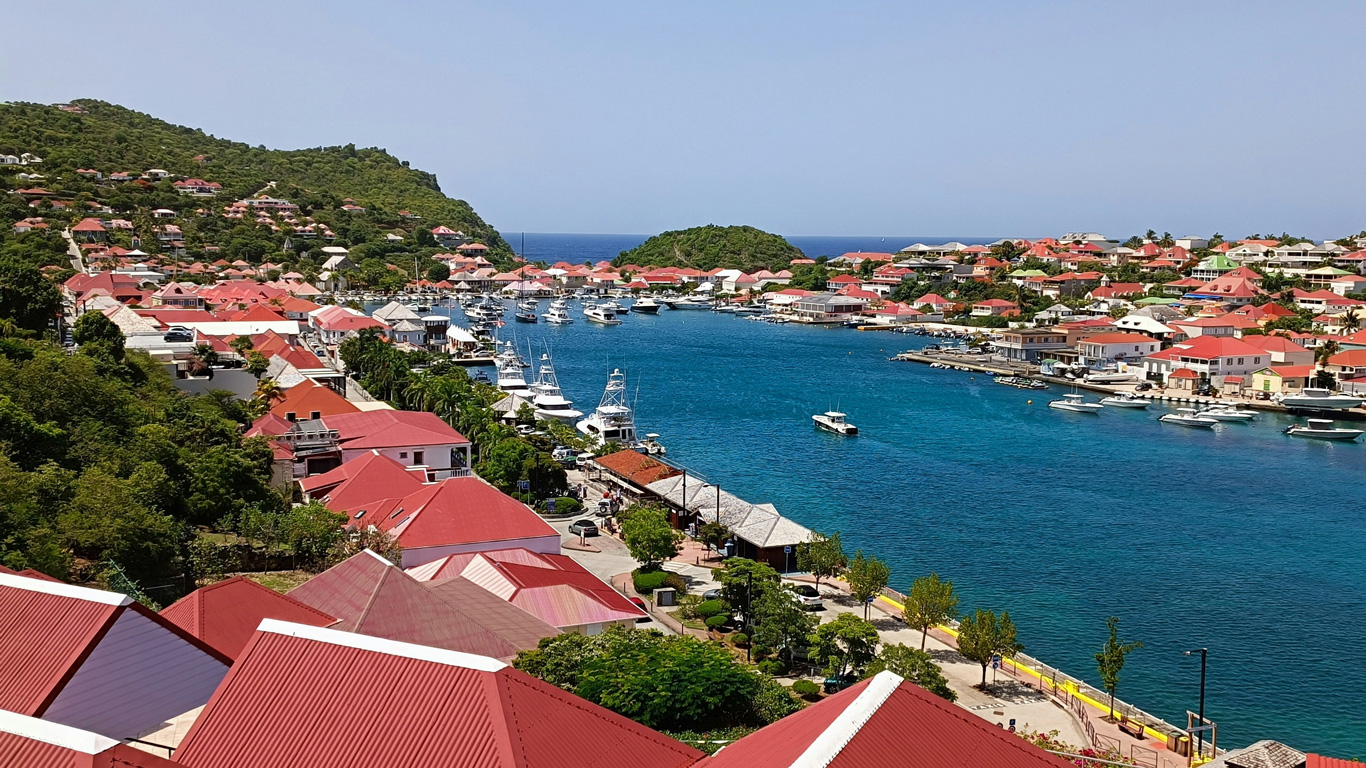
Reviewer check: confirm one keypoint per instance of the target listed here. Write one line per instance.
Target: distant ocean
(576, 249)
(1240, 539)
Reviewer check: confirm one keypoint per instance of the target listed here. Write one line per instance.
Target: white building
(1105, 349)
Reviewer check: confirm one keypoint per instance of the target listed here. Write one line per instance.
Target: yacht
(750, 309)
(645, 305)
(1187, 417)
(527, 305)
(524, 317)
(1227, 412)
(1322, 429)
(833, 421)
(652, 446)
(511, 380)
(600, 315)
(613, 306)
(1125, 400)
(558, 315)
(1108, 377)
(1320, 399)
(687, 303)
(546, 398)
(1076, 404)
(613, 421)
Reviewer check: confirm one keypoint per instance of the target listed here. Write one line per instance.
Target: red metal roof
(1319, 761)
(301, 697)
(371, 596)
(362, 481)
(27, 742)
(307, 397)
(883, 722)
(391, 429)
(226, 614)
(460, 510)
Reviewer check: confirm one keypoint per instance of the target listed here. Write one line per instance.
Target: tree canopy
(712, 247)
(982, 636)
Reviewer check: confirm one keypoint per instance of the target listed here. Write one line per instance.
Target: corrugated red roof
(28, 742)
(226, 614)
(362, 481)
(1319, 761)
(371, 596)
(460, 510)
(309, 397)
(883, 722)
(301, 697)
(391, 429)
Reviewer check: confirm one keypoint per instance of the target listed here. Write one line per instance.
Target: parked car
(637, 602)
(178, 333)
(584, 527)
(1143, 386)
(712, 594)
(1263, 395)
(807, 595)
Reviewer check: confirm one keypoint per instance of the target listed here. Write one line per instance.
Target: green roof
(1150, 300)
(1328, 271)
(1219, 261)
(1029, 273)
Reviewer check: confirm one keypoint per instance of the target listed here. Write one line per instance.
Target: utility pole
(749, 612)
(1204, 655)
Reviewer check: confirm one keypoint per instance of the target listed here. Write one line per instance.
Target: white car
(807, 595)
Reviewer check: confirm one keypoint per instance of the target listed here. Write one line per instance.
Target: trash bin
(666, 596)
(1179, 744)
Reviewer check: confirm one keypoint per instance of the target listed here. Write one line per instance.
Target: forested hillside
(111, 138)
(710, 247)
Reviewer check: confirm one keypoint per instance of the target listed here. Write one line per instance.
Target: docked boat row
(1206, 417)
(1020, 382)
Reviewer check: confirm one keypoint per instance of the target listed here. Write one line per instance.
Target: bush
(773, 667)
(718, 621)
(679, 584)
(805, 688)
(566, 507)
(740, 639)
(761, 651)
(773, 702)
(646, 583)
(710, 608)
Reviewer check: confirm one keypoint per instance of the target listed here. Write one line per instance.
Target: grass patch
(280, 581)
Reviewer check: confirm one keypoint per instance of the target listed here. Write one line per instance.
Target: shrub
(773, 667)
(679, 584)
(718, 621)
(773, 702)
(646, 583)
(761, 651)
(740, 639)
(805, 688)
(687, 606)
(710, 608)
(567, 507)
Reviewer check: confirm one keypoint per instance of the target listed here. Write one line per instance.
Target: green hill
(711, 247)
(110, 138)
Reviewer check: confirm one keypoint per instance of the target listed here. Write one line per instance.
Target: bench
(1132, 727)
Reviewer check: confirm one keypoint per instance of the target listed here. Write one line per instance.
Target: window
(1240, 361)
(315, 415)
(291, 416)
(418, 456)
(403, 454)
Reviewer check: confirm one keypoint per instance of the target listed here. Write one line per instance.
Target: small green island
(711, 247)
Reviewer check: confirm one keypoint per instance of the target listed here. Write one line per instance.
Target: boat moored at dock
(1319, 399)
(614, 420)
(1125, 400)
(1322, 429)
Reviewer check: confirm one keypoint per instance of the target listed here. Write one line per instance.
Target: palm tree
(1351, 320)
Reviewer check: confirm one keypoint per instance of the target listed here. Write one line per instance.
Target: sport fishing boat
(511, 380)
(687, 303)
(1076, 404)
(558, 315)
(646, 306)
(522, 316)
(833, 421)
(1322, 429)
(1124, 400)
(527, 305)
(1187, 417)
(1227, 412)
(1319, 399)
(597, 314)
(547, 399)
(613, 421)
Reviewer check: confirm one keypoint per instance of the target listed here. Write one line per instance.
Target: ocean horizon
(576, 247)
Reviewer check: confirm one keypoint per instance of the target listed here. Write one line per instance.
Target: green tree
(256, 363)
(914, 665)
(311, 531)
(930, 603)
(27, 298)
(438, 272)
(241, 345)
(96, 331)
(867, 577)
(845, 646)
(650, 538)
(713, 534)
(1110, 659)
(822, 557)
(781, 622)
(983, 635)
(744, 582)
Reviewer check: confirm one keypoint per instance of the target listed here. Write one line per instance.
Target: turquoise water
(1242, 540)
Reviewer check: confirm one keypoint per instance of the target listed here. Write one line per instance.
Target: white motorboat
(1227, 412)
(749, 309)
(646, 306)
(612, 306)
(1187, 417)
(547, 399)
(687, 303)
(527, 305)
(558, 315)
(613, 421)
(511, 380)
(652, 446)
(1319, 399)
(1322, 429)
(1076, 404)
(833, 421)
(1108, 377)
(1125, 400)
(600, 315)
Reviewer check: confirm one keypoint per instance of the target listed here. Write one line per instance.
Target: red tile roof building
(225, 614)
(310, 400)
(302, 697)
(97, 660)
(882, 722)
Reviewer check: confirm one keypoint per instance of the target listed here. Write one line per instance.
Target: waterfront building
(1209, 358)
(1283, 379)
(1030, 345)
(828, 307)
(759, 532)
(1105, 349)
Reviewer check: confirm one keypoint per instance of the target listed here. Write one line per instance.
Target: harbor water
(1239, 539)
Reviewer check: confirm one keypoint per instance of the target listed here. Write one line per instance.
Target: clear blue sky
(806, 118)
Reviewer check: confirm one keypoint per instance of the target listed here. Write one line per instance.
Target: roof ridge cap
(62, 589)
(382, 645)
(56, 734)
(828, 745)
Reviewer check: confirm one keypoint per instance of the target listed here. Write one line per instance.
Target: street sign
(996, 662)
(523, 485)
(787, 550)
(550, 505)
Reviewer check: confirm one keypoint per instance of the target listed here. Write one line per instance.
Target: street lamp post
(1204, 655)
